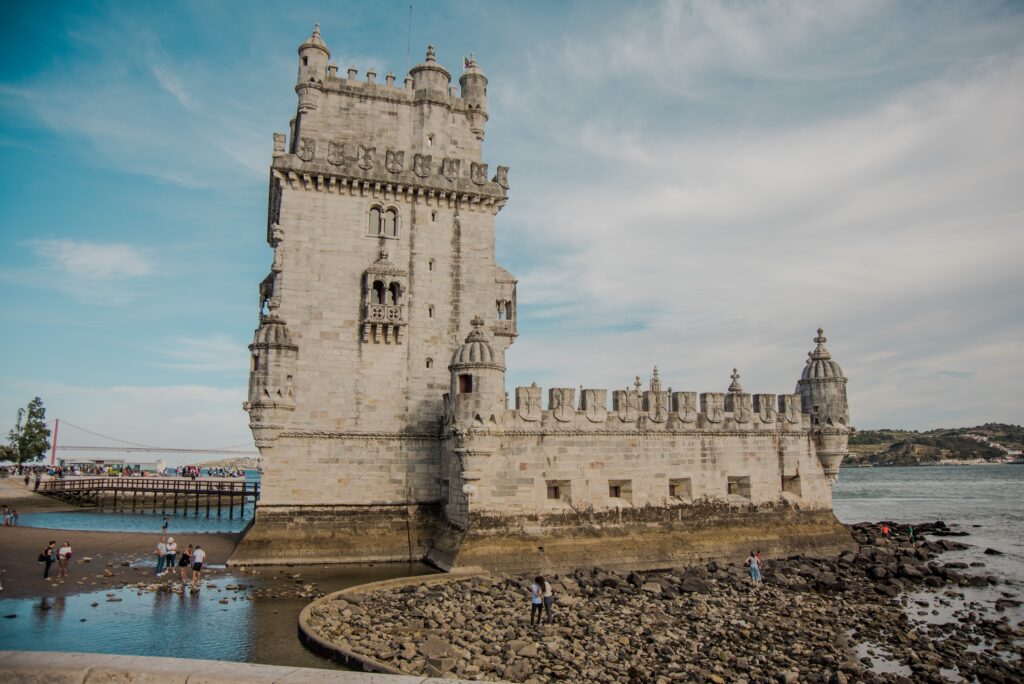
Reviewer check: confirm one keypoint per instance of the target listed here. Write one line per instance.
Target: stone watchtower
(822, 389)
(381, 218)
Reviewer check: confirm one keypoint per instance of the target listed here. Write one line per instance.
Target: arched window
(430, 265)
(378, 292)
(391, 223)
(373, 225)
(430, 363)
(394, 294)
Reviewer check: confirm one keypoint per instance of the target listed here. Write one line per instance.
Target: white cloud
(93, 260)
(217, 353)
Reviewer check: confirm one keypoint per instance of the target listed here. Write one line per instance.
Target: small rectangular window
(615, 491)
(620, 489)
(681, 488)
(739, 486)
(554, 492)
(465, 384)
(558, 490)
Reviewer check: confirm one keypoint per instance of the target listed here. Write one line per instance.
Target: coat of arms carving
(478, 173)
(450, 168)
(789, 407)
(595, 406)
(560, 401)
(366, 157)
(394, 161)
(657, 406)
(336, 153)
(501, 177)
(528, 403)
(741, 408)
(685, 406)
(712, 405)
(764, 405)
(626, 404)
(307, 149)
(421, 165)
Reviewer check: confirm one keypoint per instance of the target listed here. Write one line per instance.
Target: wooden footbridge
(166, 495)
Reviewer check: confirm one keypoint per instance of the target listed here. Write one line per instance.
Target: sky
(694, 185)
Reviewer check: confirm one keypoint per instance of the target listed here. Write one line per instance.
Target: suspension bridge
(115, 445)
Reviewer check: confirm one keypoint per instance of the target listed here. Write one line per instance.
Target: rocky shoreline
(890, 612)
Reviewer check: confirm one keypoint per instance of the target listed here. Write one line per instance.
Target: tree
(30, 438)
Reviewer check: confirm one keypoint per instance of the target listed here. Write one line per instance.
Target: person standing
(14, 517)
(549, 599)
(536, 600)
(49, 557)
(64, 559)
(910, 529)
(161, 556)
(755, 571)
(185, 562)
(198, 557)
(172, 552)
(7, 516)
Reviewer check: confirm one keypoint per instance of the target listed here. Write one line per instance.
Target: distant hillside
(243, 462)
(992, 442)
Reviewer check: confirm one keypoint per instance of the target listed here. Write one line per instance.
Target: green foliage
(903, 447)
(29, 440)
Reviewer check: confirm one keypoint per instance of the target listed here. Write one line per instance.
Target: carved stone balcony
(504, 328)
(383, 323)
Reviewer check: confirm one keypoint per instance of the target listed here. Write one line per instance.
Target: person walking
(536, 600)
(185, 562)
(161, 556)
(49, 555)
(7, 516)
(198, 558)
(14, 517)
(172, 552)
(64, 559)
(549, 599)
(910, 529)
(755, 570)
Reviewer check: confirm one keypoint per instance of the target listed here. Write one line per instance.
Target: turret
(478, 381)
(313, 58)
(430, 78)
(822, 389)
(271, 396)
(474, 92)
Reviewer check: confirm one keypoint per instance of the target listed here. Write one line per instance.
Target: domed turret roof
(477, 350)
(315, 41)
(470, 67)
(273, 333)
(430, 64)
(820, 365)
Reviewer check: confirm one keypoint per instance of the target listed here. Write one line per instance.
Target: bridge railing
(156, 485)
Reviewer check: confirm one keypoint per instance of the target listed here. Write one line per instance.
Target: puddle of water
(189, 624)
(882, 662)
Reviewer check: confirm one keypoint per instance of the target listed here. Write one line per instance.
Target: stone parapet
(46, 667)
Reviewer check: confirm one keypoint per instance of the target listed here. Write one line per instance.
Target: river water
(984, 501)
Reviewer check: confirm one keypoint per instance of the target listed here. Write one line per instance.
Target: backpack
(44, 555)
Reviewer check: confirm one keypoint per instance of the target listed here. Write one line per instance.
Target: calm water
(194, 624)
(985, 501)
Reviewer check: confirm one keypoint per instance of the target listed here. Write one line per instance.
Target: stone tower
(381, 217)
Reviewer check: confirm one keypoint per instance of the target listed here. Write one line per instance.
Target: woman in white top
(198, 558)
(64, 558)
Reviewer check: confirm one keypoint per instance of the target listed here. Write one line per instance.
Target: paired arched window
(378, 292)
(383, 222)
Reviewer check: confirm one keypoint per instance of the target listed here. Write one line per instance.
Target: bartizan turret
(478, 381)
(313, 58)
(474, 92)
(822, 389)
(271, 394)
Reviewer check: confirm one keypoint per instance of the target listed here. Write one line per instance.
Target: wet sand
(22, 575)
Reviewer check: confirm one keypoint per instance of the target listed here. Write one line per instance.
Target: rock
(11, 616)
(993, 552)
(528, 651)
(694, 585)
(107, 572)
(651, 587)
(435, 647)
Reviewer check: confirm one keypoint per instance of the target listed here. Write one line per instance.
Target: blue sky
(696, 185)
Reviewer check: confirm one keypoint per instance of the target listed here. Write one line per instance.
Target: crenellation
(377, 387)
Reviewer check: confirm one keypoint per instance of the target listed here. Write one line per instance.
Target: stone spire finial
(637, 383)
(431, 54)
(383, 254)
(477, 322)
(735, 386)
(820, 352)
(655, 381)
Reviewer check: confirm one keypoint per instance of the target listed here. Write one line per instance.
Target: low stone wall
(46, 667)
(311, 638)
(647, 538)
(338, 534)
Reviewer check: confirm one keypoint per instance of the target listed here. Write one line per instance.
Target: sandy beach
(114, 558)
